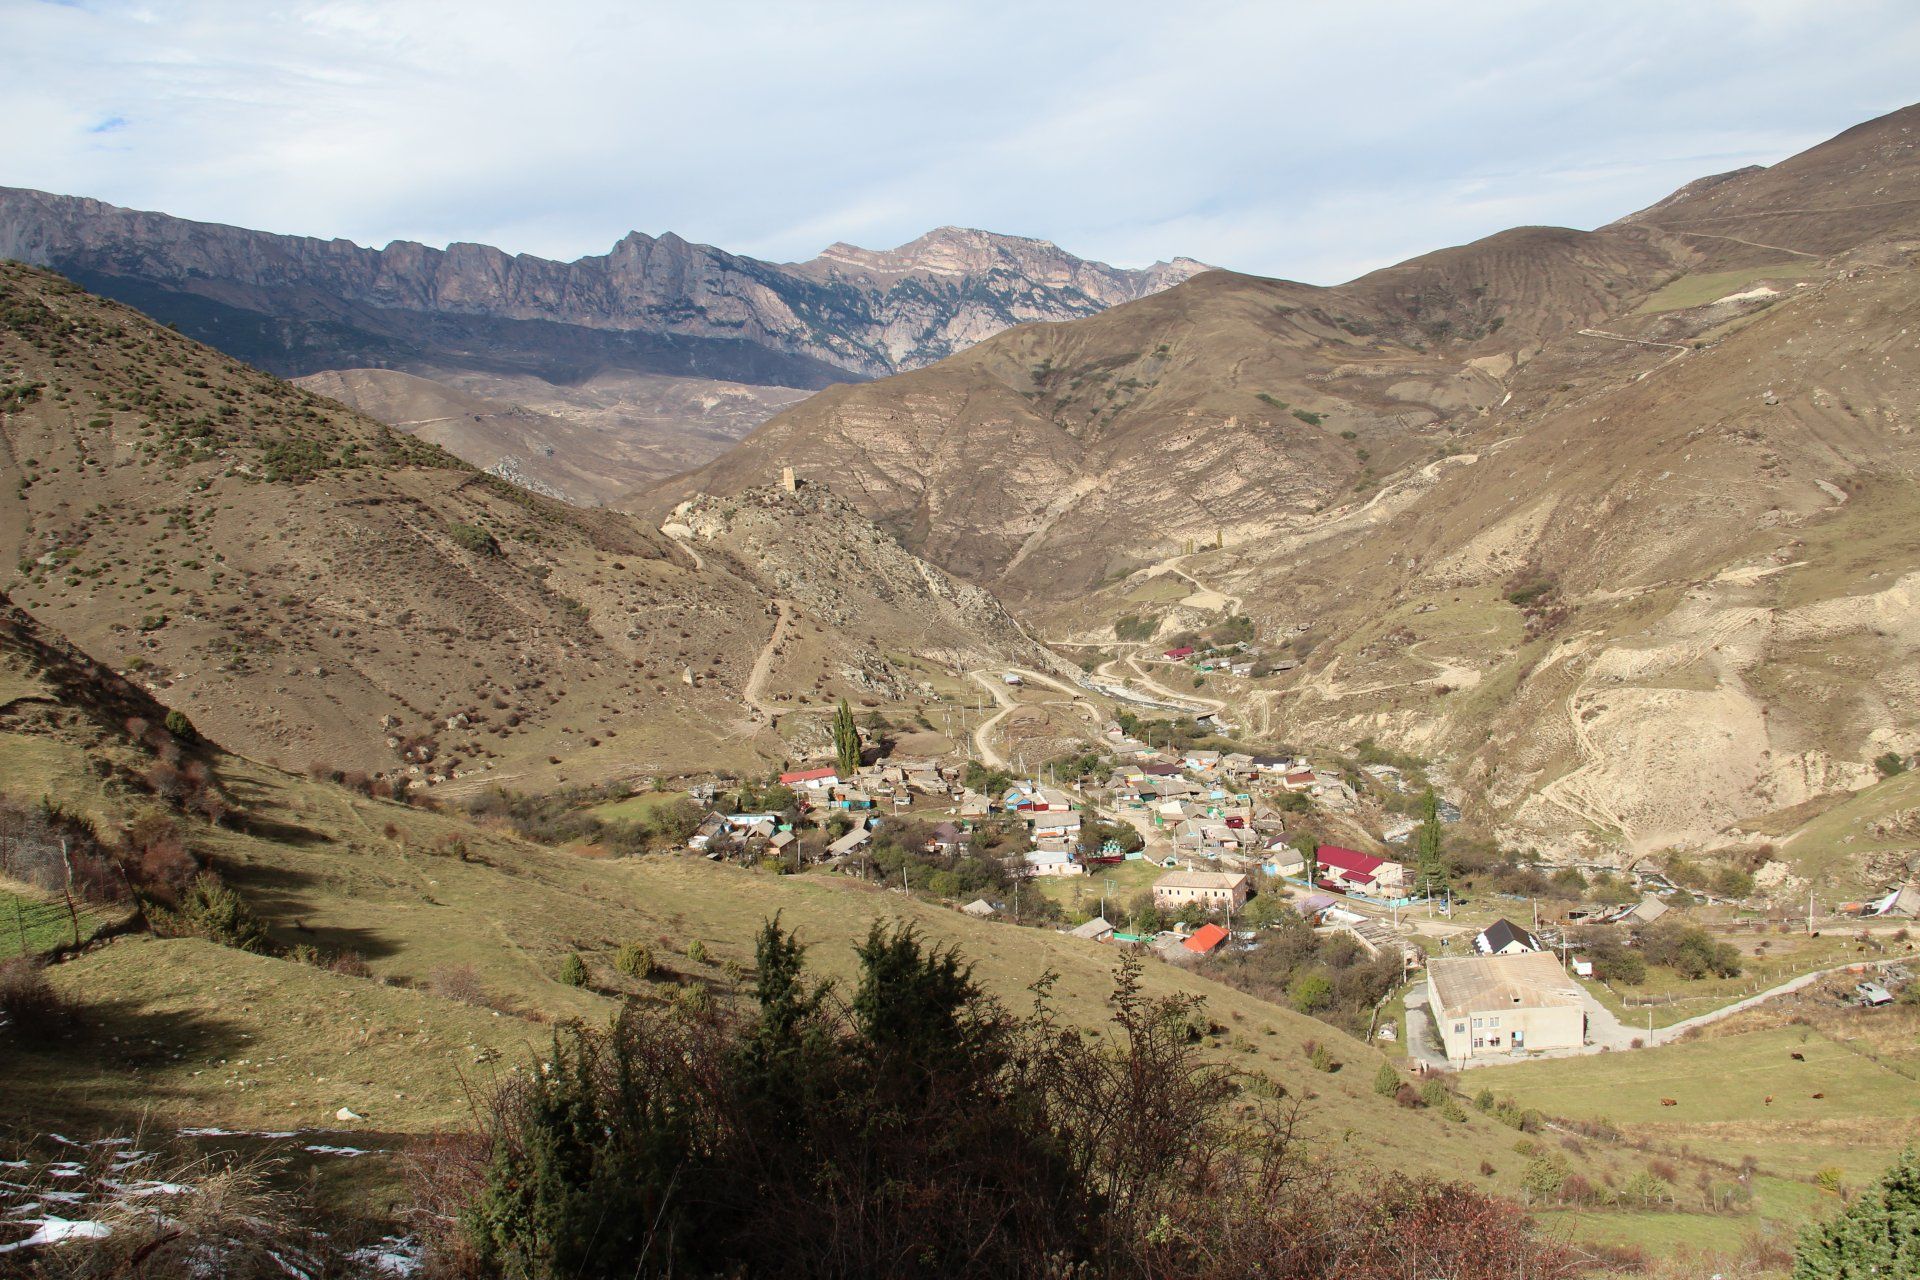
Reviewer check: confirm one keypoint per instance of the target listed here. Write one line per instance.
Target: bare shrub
(458, 982)
(29, 1005)
(349, 964)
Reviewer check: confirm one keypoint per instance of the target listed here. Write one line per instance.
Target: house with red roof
(1360, 872)
(811, 779)
(1184, 651)
(1205, 940)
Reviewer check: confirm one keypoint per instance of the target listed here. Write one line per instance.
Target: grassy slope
(1720, 1085)
(419, 893)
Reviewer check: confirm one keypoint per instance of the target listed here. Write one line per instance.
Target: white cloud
(1299, 139)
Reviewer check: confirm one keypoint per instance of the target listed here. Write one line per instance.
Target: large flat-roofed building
(1214, 890)
(1488, 1006)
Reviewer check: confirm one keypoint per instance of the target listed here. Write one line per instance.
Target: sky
(1313, 141)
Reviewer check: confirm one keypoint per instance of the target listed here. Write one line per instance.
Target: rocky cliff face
(850, 313)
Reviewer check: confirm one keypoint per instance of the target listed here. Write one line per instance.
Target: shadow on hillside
(283, 897)
(333, 940)
(287, 833)
(106, 1068)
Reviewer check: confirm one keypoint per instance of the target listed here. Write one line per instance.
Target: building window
(1478, 1023)
(1493, 1022)
(1478, 1043)
(1459, 1028)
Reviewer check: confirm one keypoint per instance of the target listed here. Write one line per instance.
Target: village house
(1051, 827)
(849, 799)
(1488, 1006)
(1214, 890)
(1285, 860)
(849, 844)
(1267, 820)
(1505, 938)
(1053, 862)
(710, 826)
(947, 838)
(810, 780)
(1206, 940)
(1358, 872)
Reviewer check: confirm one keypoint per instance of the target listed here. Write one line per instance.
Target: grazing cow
(1769, 1099)
(1798, 1057)
(1819, 1095)
(1669, 1102)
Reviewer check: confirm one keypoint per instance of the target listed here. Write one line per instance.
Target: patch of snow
(1758, 291)
(323, 1150)
(159, 1189)
(55, 1230)
(393, 1256)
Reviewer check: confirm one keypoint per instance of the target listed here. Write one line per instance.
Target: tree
(573, 970)
(1431, 867)
(846, 741)
(1311, 992)
(1309, 846)
(1386, 1081)
(180, 727)
(1877, 1235)
(920, 1129)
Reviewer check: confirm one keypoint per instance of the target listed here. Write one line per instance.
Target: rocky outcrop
(850, 313)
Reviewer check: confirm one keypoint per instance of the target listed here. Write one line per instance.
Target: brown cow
(1769, 1099)
(1819, 1095)
(1797, 1057)
(1669, 1102)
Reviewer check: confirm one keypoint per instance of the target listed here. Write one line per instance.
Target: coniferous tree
(846, 741)
(1877, 1235)
(1432, 865)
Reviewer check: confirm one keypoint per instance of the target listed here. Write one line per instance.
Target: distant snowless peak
(960, 251)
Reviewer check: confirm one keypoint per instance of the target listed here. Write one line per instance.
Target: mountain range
(666, 348)
(1607, 521)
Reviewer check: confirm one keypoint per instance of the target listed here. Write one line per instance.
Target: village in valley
(1340, 884)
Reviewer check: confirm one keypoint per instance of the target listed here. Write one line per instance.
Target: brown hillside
(310, 585)
(1611, 522)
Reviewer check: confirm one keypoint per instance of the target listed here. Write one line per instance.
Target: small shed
(1095, 930)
